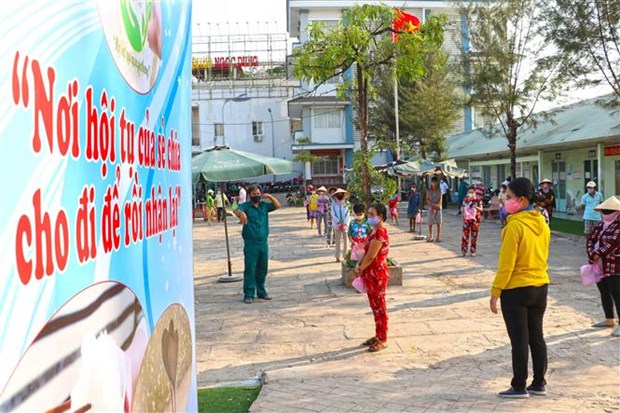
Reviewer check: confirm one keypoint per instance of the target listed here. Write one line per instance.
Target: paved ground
(447, 352)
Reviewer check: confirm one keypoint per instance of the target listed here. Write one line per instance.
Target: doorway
(559, 185)
(590, 171)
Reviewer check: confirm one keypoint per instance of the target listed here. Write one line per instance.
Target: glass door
(559, 185)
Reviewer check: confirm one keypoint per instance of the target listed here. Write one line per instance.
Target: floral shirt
(606, 244)
(379, 267)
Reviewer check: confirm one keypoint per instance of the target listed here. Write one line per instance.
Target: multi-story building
(240, 93)
(328, 121)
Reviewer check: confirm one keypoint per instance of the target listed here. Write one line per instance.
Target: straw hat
(321, 189)
(340, 191)
(210, 191)
(591, 184)
(331, 189)
(545, 181)
(612, 203)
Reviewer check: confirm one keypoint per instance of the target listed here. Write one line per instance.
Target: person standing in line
(462, 192)
(313, 206)
(546, 197)
(393, 205)
(502, 199)
(359, 229)
(243, 195)
(329, 229)
(604, 245)
(254, 215)
(375, 272)
(209, 204)
(340, 222)
(321, 217)
(521, 284)
(589, 201)
(433, 202)
(472, 215)
(221, 200)
(413, 206)
(445, 192)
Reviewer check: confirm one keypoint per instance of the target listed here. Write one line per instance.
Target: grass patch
(567, 226)
(227, 399)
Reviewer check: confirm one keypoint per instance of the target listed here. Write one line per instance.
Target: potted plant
(348, 271)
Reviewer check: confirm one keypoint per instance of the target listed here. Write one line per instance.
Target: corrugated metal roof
(585, 121)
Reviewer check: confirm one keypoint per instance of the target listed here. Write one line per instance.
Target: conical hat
(612, 203)
(322, 188)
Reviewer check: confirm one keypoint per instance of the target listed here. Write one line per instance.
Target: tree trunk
(512, 143)
(362, 96)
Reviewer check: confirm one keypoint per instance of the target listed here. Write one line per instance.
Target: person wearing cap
(321, 217)
(340, 222)
(309, 188)
(604, 245)
(254, 216)
(208, 206)
(546, 197)
(589, 201)
(312, 202)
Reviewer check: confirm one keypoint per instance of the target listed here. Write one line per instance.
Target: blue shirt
(257, 228)
(591, 202)
(359, 230)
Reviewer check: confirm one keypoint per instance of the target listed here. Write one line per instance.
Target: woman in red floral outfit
(375, 273)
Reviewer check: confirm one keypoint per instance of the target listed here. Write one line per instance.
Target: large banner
(96, 285)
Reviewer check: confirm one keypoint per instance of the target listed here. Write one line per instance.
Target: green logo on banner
(136, 29)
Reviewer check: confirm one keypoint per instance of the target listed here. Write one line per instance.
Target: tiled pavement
(447, 352)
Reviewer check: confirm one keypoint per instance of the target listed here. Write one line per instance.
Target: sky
(212, 16)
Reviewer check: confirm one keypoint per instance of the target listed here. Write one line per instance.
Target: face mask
(609, 218)
(512, 206)
(373, 221)
(339, 200)
(471, 194)
(591, 190)
(359, 217)
(255, 199)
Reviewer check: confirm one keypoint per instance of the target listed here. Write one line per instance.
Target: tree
(588, 30)
(429, 106)
(362, 41)
(379, 179)
(509, 67)
(304, 156)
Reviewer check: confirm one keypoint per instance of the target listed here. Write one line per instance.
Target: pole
(273, 144)
(396, 128)
(226, 232)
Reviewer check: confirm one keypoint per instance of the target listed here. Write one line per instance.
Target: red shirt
(378, 268)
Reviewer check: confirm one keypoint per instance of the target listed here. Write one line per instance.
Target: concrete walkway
(447, 351)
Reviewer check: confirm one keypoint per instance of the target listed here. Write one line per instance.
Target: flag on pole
(404, 22)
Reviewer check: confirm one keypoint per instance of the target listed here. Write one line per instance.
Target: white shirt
(243, 196)
(444, 187)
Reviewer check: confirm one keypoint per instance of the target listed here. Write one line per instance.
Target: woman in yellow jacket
(521, 286)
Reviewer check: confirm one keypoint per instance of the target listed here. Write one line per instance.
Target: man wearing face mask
(255, 219)
(589, 201)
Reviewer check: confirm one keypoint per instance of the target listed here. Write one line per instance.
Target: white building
(327, 121)
(240, 93)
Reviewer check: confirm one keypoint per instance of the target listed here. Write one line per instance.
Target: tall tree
(429, 106)
(509, 67)
(588, 30)
(362, 41)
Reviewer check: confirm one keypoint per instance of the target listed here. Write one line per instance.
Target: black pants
(220, 214)
(523, 310)
(609, 287)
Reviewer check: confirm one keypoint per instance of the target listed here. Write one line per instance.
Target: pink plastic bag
(418, 218)
(469, 213)
(357, 251)
(359, 284)
(591, 273)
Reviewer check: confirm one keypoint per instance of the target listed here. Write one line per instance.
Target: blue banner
(96, 285)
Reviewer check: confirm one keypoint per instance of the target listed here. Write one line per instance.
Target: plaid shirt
(608, 247)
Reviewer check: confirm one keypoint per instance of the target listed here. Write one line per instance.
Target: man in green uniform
(253, 214)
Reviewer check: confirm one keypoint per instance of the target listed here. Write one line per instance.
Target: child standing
(359, 229)
(413, 206)
(472, 215)
(393, 206)
(313, 207)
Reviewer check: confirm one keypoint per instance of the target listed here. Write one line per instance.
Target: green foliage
(589, 31)
(227, 399)
(362, 41)
(509, 66)
(428, 107)
(383, 186)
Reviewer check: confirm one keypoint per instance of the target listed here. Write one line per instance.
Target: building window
(326, 165)
(327, 118)
(218, 129)
(195, 126)
(257, 128)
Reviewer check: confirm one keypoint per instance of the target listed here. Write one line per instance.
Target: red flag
(404, 22)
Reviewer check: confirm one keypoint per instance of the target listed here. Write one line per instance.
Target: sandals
(370, 341)
(429, 239)
(247, 300)
(266, 298)
(377, 346)
(604, 324)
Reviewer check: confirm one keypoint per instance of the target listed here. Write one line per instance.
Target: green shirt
(257, 227)
(210, 201)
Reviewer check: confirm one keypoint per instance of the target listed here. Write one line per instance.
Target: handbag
(591, 273)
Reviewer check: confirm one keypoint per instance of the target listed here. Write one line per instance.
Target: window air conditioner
(258, 138)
